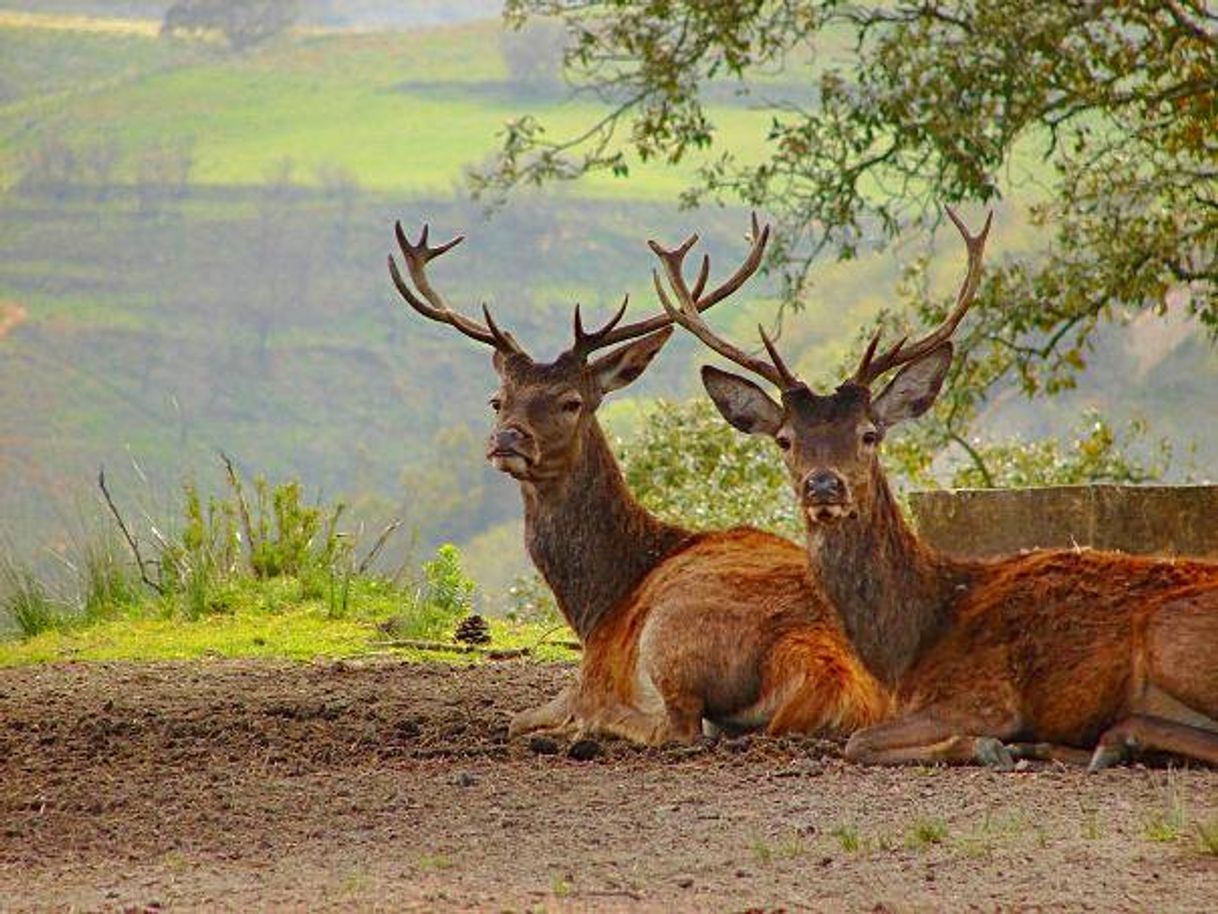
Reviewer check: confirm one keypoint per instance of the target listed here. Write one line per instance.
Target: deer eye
(871, 437)
(496, 403)
(571, 405)
(783, 442)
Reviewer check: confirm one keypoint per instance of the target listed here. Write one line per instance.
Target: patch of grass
(1090, 829)
(847, 838)
(1167, 821)
(25, 600)
(560, 886)
(243, 575)
(267, 619)
(924, 833)
(430, 863)
(1207, 836)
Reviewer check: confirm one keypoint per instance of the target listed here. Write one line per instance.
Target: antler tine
(673, 261)
(504, 341)
(587, 342)
(432, 304)
(789, 379)
(690, 317)
(703, 276)
(871, 369)
(744, 271)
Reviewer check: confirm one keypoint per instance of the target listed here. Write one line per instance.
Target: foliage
(533, 53)
(691, 467)
(882, 112)
(445, 594)
(1094, 453)
(532, 601)
(446, 585)
(243, 23)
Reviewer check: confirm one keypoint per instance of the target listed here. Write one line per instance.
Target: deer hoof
(993, 754)
(1105, 756)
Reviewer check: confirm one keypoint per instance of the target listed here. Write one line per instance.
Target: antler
(610, 333)
(872, 367)
(417, 256)
(691, 303)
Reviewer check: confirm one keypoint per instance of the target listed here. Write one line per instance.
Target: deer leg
(923, 738)
(630, 724)
(556, 714)
(1142, 732)
(1049, 752)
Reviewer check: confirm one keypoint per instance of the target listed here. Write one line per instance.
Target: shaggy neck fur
(895, 595)
(589, 538)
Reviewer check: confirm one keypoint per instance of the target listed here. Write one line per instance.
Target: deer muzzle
(511, 450)
(826, 497)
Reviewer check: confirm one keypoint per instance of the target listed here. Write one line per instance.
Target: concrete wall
(1151, 520)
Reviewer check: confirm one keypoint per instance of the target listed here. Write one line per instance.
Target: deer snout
(824, 487)
(509, 441)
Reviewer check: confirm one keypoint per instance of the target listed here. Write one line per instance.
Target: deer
(682, 631)
(1079, 655)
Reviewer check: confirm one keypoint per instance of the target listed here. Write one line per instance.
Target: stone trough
(1144, 520)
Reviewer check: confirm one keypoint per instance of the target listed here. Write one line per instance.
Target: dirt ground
(380, 785)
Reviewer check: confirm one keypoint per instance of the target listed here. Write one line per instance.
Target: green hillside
(401, 112)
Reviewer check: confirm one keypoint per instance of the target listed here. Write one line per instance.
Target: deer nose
(825, 487)
(510, 438)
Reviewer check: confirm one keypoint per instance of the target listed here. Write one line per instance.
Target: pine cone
(473, 629)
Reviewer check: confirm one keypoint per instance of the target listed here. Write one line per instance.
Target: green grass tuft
(924, 833)
(25, 600)
(1207, 836)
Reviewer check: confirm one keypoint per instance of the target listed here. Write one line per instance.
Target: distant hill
(364, 14)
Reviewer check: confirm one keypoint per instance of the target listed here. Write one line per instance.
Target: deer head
(544, 409)
(830, 441)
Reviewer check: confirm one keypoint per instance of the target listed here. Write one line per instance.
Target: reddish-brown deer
(677, 626)
(1051, 651)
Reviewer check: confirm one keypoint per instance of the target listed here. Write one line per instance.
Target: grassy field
(277, 623)
(402, 112)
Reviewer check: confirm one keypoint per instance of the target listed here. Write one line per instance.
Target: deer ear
(621, 366)
(915, 387)
(742, 403)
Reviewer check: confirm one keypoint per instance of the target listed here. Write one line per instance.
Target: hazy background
(192, 260)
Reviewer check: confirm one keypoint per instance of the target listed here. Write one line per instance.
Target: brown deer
(677, 626)
(1052, 651)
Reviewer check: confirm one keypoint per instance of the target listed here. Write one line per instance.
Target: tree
(243, 23)
(882, 112)
(533, 53)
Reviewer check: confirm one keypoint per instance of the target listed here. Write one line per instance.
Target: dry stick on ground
(493, 653)
(131, 541)
(235, 482)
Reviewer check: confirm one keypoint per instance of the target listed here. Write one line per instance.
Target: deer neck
(895, 594)
(591, 541)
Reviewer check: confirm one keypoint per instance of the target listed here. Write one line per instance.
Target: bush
(446, 594)
(690, 467)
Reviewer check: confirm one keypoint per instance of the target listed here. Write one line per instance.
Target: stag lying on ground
(1061, 649)
(677, 626)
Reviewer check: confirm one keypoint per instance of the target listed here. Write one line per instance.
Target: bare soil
(381, 785)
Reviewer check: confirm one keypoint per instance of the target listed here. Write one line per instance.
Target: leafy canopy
(880, 112)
